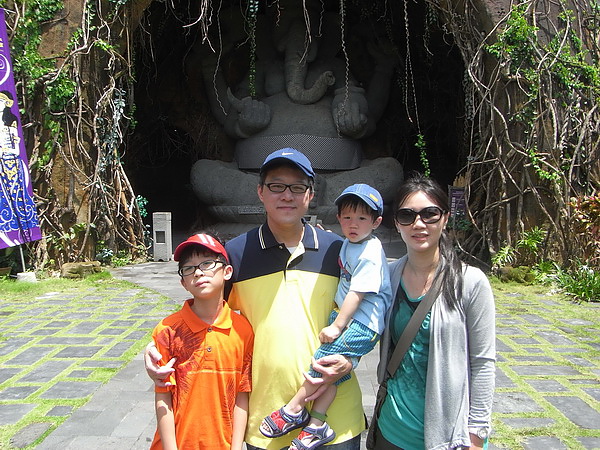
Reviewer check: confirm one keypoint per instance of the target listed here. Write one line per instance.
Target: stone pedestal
(163, 243)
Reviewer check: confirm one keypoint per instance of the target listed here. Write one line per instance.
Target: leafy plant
(506, 256)
(529, 245)
(421, 145)
(582, 283)
(546, 272)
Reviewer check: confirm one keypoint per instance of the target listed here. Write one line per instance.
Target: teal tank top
(401, 420)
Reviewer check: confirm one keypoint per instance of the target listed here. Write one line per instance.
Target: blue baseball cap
(366, 193)
(293, 156)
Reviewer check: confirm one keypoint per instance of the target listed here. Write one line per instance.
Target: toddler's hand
(329, 334)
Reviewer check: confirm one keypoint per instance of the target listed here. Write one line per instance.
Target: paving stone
(543, 443)
(92, 297)
(508, 321)
(514, 402)
(123, 323)
(8, 372)
(113, 331)
(17, 392)
(583, 381)
(107, 317)
(58, 302)
(548, 301)
(509, 331)
(555, 338)
(45, 332)
(149, 324)
(29, 434)
(12, 344)
(34, 312)
(579, 361)
(141, 309)
(535, 358)
(525, 341)
(533, 349)
(528, 422)
(502, 380)
(11, 414)
(535, 319)
(577, 411)
(45, 372)
(78, 352)
(30, 356)
(576, 321)
(589, 442)
(118, 350)
(545, 370)
(595, 345)
(71, 389)
(59, 324)
(594, 392)
(136, 335)
(547, 386)
(80, 373)
(85, 327)
(513, 294)
(102, 364)
(59, 410)
(67, 340)
(76, 315)
(570, 350)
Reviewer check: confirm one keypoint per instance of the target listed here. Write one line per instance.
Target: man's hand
(157, 373)
(329, 334)
(332, 368)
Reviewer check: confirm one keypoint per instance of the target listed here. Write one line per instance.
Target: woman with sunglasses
(440, 396)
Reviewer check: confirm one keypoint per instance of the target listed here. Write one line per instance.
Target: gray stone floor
(548, 375)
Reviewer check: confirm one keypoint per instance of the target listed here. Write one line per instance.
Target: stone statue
(306, 98)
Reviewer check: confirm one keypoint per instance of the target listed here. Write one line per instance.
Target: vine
(75, 117)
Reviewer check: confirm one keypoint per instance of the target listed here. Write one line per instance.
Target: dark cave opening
(175, 126)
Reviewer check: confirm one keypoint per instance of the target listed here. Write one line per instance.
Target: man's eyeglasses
(281, 187)
(204, 266)
(429, 215)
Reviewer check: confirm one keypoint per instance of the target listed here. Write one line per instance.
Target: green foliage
(582, 283)
(545, 272)
(421, 145)
(142, 202)
(529, 246)
(67, 240)
(506, 256)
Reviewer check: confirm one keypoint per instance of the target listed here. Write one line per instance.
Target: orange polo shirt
(213, 365)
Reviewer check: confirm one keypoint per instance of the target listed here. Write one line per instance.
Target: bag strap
(413, 325)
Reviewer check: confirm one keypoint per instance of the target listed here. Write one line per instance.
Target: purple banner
(18, 217)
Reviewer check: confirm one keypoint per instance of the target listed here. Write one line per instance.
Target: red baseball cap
(205, 241)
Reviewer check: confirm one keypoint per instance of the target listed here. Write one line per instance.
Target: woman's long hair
(451, 271)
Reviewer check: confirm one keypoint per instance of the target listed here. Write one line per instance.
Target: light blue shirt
(364, 269)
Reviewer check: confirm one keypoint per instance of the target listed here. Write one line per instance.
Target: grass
(515, 305)
(47, 314)
(573, 321)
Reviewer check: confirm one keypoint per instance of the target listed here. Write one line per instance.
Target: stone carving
(306, 98)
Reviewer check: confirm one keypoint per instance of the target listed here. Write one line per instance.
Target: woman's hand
(157, 373)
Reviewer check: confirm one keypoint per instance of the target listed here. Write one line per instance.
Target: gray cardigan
(461, 365)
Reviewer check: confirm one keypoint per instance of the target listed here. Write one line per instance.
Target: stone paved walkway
(65, 358)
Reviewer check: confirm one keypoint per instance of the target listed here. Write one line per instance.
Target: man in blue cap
(286, 274)
(363, 297)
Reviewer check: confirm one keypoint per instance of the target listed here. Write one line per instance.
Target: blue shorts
(355, 341)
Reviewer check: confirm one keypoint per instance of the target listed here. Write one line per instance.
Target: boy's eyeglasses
(281, 187)
(204, 266)
(429, 215)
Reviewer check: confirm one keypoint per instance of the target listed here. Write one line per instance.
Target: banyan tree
(120, 99)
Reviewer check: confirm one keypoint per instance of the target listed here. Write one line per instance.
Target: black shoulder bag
(402, 346)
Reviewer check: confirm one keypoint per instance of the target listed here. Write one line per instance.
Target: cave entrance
(175, 125)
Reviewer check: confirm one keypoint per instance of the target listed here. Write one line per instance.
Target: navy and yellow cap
(366, 193)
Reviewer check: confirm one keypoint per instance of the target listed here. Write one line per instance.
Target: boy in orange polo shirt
(205, 404)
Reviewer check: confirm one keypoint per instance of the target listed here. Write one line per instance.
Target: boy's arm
(240, 418)
(165, 420)
(349, 307)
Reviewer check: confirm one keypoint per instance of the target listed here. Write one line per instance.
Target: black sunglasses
(429, 215)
